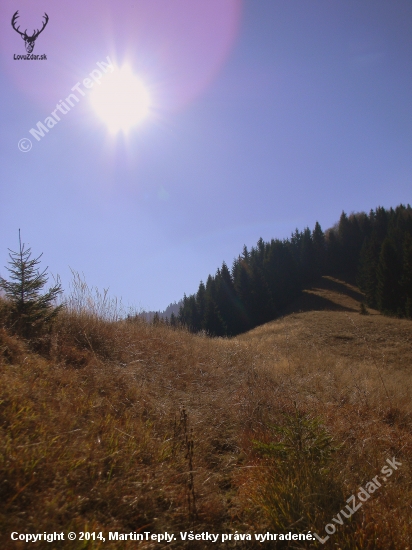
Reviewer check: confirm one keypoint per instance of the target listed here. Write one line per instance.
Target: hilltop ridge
(373, 251)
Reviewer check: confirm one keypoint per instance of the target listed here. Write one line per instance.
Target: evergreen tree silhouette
(368, 270)
(214, 323)
(226, 298)
(319, 250)
(406, 281)
(201, 305)
(388, 278)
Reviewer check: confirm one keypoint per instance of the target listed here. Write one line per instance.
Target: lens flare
(122, 101)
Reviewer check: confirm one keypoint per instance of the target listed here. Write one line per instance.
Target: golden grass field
(125, 426)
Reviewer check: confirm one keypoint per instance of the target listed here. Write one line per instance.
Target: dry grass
(283, 425)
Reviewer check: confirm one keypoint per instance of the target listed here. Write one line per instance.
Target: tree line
(376, 248)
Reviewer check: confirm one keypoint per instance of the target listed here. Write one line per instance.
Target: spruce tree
(367, 278)
(319, 250)
(188, 314)
(388, 275)
(307, 257)
(196, 321)
(31, 311)
(333, 252)
(226, 299)
(406, 281)
(213, 323)
(350, 240)
(173, 320)
(201, 304)
(242, 285)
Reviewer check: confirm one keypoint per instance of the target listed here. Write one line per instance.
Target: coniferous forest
(375, 249)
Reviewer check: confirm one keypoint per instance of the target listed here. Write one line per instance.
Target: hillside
(324, 333)
(374, 249)
(130, 427)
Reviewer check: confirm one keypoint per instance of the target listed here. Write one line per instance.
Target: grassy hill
(124, 426)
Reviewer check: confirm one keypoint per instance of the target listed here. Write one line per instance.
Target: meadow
(120, 425)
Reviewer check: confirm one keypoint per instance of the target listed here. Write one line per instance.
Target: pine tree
(333, 252)
(31, 311)
(388, 274)
(319, 250)
(226, 298)
(242, 285)
(188, 314)
(196, 321)
(307, 257)
(261, 307)
(367, 278)
(213, 323)
(380, 223)
(201, 304)
(345, 238)
(407, 275)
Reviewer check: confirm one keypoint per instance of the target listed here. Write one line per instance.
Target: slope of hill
(130, 427)
(374, 249)
(324, 332)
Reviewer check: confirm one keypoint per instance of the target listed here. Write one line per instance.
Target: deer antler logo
(28, 40)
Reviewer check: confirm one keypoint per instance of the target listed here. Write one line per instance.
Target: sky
(251, 118)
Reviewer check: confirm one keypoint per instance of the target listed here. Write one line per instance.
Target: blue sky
(267, 115)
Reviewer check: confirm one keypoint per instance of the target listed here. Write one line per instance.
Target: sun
(122, 100)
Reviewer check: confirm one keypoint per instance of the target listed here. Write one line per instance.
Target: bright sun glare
(121, 101)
